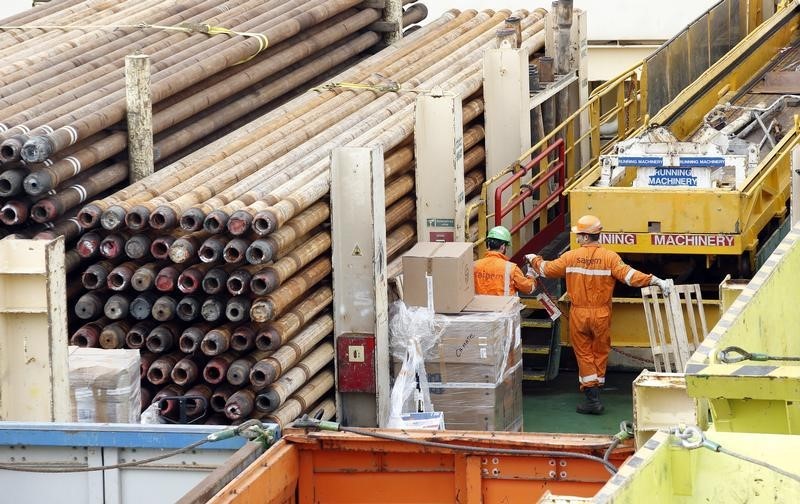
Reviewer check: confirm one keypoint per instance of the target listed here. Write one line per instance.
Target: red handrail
(558, 168)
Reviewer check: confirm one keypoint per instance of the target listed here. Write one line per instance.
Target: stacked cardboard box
(475, 369)
(105, 385)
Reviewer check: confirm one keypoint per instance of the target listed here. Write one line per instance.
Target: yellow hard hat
(588, 224)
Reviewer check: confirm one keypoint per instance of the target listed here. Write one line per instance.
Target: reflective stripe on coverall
(591, 272)
(495, 275)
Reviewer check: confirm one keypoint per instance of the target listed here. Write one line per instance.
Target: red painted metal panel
(355, 354)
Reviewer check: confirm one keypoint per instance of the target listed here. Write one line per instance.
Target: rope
(191, 28)
(733, 354)
(392, 87)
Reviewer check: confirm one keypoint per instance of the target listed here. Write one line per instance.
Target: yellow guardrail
(619, 103)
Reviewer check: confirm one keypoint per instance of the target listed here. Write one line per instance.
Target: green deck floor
(550, 407)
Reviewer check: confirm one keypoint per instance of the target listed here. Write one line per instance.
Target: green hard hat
(500, 233)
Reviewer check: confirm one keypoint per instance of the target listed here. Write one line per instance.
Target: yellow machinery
(685, 159)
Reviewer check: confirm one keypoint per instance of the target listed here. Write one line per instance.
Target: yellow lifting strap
(191, 28)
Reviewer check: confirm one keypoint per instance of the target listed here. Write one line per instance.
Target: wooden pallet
(670, 321)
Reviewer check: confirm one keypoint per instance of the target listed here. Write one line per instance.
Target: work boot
(592, 404)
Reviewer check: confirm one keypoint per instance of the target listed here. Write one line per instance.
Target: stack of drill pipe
(60, 123)
(232, 298)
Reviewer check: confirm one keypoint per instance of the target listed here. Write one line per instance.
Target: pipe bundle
(218, 265)
(62, 87)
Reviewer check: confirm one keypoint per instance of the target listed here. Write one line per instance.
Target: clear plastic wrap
(105, 385)
(470, 367)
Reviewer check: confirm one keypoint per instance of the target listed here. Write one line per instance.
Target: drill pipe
(216, 369)
(113, 245)
(168, 407)
(220, 396)
(138, 334)
(276, 393)
(277, 333)
(144, 278)
(271, 277)
(145, 361)
(238, 282)
(113, 335)
(88, 335)
(238, 309)
(188, 308)
(192, 336)
(216, 341)
(265, 309)
(266, 371)
(303, 399)
(120, 277)
(240, 404)
(187, 370)
(163, 338)
(117, 306)
(243, 338)
(138, 246)
(96, 274)
(281, 241)
(193, 277)
(213, 308)
(142, 305)
(239, 370)
(215, 280)
(164, 308)
(114, 208)
(159, 371)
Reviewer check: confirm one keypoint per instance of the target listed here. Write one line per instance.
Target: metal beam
(360, 305)
(439, 153)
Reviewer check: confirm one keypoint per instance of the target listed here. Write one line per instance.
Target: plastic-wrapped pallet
(472, 362)
(104, 385)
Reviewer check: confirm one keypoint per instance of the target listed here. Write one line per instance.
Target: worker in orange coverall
(591, 272)
(495, 275)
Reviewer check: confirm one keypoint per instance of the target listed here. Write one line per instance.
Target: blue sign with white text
(640, 161)
(702, 162)
(673, 177)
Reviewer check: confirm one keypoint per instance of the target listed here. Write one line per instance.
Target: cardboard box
(105, 385)
(482, 408)
(450, 267)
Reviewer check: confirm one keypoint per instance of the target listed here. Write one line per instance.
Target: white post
(439, 154)
(360, 304)
(794, 212)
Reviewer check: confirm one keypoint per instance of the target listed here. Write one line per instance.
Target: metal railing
(582, 144)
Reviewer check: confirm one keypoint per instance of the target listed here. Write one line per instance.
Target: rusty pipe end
(137, 334)
(262, 374)
(214, 372)
(235, 251)
(116, 307)
(88, 306)
(190, 339)
(215, 221)
(264, 282)
(86, 336)
(215, 342)
(113, 336)
(185, 372)
(111, 219)
(181, 251)
(94, 277)
(120, 278)
(190, 280)
(163, 218)
(243, 338)
(239, 373)
(188, 309)
(46, 210)
(163, 309)
(268, 401)
(259, 252)
(268, 339)
(211, 250)
(166, 279)
(14, 212)
(38, 183)
(137, 218)
(12, 182)
(262, 311)
(192, 219)
(159, 340)
(214, 281)
(112, 246)
(160, 248)
(212, 309)
(89, 245)
(138, 246)
(37, 149)
(265, 222)
(143, 279)
(239, 223)
(89, 216)
(239, 282)
(142, 306)
(238, 308)
(11, 148)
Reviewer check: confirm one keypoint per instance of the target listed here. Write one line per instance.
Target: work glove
(662, 284)
(531, 257)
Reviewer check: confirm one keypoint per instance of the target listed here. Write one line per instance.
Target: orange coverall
(495, 275)
(591, 272)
